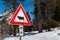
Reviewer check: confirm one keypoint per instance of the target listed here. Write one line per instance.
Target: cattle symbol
(20, 18)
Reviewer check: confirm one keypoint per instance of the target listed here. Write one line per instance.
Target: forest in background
(46, 15)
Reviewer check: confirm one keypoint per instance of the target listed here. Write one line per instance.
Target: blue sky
(28, 7)
(2, 7)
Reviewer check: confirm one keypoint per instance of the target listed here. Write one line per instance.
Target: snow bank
(40, 36)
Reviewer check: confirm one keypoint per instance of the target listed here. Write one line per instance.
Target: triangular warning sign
(20, 17)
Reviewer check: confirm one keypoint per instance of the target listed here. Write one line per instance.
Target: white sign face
(20, 16)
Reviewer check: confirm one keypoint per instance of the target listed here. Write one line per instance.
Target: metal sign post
(21, 31)
(20, 18)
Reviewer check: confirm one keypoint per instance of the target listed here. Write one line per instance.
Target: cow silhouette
(20, 18)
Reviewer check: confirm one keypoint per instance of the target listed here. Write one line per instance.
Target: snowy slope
(40, 36)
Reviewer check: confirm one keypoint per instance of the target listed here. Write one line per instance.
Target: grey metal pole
(20, 38)
(21, 31)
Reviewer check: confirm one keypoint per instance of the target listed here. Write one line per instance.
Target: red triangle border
(15, 14)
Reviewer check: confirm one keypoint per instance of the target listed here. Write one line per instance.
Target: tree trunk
(39, 27)
(14, 30)
(39, 16)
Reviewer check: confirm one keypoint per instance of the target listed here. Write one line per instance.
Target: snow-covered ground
(37, 36)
